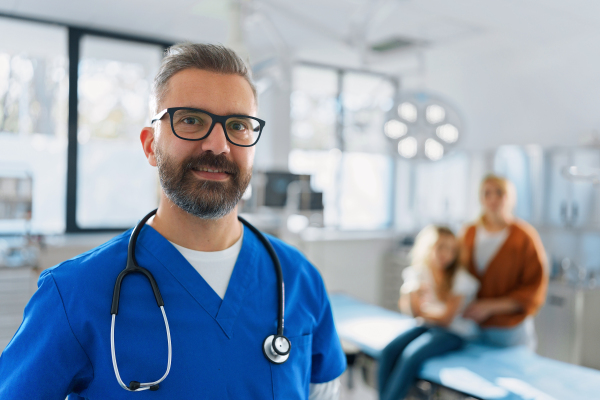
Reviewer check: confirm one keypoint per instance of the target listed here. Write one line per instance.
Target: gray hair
(209, 57)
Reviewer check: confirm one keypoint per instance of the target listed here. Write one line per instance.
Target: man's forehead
(211, 91)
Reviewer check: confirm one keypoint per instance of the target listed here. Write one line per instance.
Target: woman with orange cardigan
(507, 257)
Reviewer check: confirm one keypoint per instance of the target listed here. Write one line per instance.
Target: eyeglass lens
(193, 124)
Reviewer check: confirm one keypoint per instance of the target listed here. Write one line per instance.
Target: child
(436, 290)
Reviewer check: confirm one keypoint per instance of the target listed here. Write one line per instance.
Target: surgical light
(447, 132)
(408, 112)
(421, 125)
(434, 114)
(395, 129)
(407, 147)
(433, 149)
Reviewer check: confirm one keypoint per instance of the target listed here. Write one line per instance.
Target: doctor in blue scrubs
(215, 276)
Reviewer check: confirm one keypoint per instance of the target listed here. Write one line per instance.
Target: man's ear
(147, 139)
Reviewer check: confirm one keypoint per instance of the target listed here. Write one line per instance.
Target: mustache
(212, 161)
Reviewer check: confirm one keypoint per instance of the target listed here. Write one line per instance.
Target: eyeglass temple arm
(159, 115)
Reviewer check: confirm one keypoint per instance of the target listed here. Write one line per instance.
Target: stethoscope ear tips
(153, 388)
(277, 348)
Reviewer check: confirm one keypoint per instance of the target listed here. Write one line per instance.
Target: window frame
(340, 123)
(75, 33)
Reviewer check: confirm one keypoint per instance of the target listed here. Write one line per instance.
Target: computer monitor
(276, 188)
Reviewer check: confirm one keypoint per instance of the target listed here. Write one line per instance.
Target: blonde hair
(422, 249)
(506, 187)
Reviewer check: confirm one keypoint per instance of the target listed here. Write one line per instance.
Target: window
(114, 180)
(33, 120)
(512, 162)
(72, 103)
(337, 137)
(314, 107)
(433, 192)
(366, 99)
(366, 191)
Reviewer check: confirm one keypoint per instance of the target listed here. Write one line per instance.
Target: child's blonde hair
(422, 249)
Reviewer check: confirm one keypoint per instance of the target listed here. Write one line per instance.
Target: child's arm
(404, 304)
(410, 303)
(444, 319)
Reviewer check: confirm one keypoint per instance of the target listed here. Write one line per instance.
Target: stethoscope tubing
(278, 273)
(132, 267)
(143, 386)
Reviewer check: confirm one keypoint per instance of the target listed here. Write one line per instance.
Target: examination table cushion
(484, 372)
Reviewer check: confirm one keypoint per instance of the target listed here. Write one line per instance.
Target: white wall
(350, 262)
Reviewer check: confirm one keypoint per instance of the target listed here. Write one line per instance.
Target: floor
(354, 387)
(359, 389)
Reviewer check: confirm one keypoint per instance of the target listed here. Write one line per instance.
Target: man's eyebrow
(249, 114)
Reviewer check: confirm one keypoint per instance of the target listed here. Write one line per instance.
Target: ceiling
(336, 32)
(522, 71)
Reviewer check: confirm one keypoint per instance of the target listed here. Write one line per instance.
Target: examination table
(476, 371)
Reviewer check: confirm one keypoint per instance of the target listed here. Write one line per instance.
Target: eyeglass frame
(222, 119)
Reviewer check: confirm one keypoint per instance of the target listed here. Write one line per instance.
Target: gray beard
(205, 199)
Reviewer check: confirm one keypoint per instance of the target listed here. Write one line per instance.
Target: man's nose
(216, 141)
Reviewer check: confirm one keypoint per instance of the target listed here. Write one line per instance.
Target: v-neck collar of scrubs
(223, 311)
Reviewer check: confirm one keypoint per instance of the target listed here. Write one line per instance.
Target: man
(217, 279)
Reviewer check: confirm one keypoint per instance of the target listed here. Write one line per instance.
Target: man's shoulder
(93, 261)
(282, 247)
(292, 259)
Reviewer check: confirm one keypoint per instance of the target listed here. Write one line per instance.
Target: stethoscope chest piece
(277, 348)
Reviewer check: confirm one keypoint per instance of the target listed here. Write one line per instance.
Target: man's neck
(193, 232)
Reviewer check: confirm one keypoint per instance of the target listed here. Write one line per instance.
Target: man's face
(205, 178)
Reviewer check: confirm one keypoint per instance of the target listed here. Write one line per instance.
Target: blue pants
(401, 360)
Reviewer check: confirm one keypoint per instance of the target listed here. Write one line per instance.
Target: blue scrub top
(63, 344)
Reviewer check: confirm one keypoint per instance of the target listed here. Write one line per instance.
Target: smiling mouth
(217, 171)
(212, 174)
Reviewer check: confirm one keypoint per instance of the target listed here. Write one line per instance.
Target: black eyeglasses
(194, 124)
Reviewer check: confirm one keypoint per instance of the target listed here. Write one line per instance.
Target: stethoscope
(275, 347)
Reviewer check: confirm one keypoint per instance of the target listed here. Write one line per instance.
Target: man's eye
(237, 126)
(190, 120)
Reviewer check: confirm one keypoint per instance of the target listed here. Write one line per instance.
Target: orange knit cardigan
(518, 270)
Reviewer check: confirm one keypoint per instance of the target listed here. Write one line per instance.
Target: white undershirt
(487, 245)
(216, 268)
